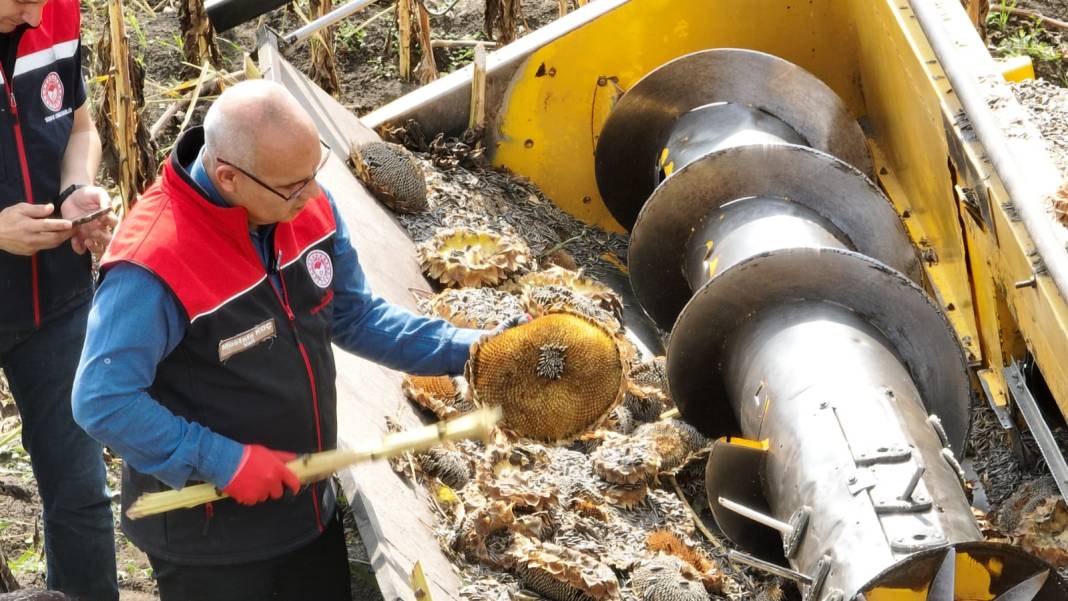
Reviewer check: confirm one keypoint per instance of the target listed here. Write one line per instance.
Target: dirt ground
(368, 76)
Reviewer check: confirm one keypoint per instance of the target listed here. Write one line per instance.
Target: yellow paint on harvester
(712, 266)
(760, 445)
(972, 582)
(1016, 68)
(885, 593)
(565, 112)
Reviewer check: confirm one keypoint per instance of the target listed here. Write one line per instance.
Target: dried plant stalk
(404, 31)
(198, 35)
(428, 69)
(124, 135)
(310, 468)
(323, 69)
(477, 116)
(503, 16)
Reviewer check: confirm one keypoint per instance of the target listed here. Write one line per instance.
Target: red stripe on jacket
(60, 21)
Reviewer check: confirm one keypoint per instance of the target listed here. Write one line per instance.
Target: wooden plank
(392, 514)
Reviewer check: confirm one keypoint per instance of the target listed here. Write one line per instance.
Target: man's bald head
(256, 119)
(261, 151)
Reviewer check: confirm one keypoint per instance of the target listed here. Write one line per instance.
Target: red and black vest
(36, 117)
(255, 364)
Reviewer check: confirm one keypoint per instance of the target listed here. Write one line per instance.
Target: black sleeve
(79, 79)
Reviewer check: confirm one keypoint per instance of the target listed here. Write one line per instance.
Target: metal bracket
(917, 542)
(886, 506)
(1038, 426)
(823, 567)
(887, 454)
(909, 500)
(860, 482)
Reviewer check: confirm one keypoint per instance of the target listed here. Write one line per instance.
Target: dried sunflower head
(665, 578)
(644, 404)
(564, 574)
(485, 537)
(529, 490)
(669, 543)
(626, 496)
(554, 377)
(479, 308)
(625, 459)
(621, 419)
(451, 467)
(543, 300)
(675, 441)
(392, 174)
(651, 373)
(441, 395)
(472, 258)
(602, 296)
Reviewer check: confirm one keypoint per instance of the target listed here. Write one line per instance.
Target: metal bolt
(852, 480)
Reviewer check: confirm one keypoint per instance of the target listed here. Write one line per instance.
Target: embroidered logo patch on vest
(246, 340)
(52, 92)
(320, 267)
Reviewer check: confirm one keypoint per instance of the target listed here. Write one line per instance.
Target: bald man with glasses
(208, 356)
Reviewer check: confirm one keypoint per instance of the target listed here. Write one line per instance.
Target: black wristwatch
(71, 189)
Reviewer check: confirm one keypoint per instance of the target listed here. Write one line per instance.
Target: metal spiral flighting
(792, 293)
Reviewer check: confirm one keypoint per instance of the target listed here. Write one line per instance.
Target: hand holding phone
(84, 219)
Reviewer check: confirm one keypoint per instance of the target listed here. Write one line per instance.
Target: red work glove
(261, 474)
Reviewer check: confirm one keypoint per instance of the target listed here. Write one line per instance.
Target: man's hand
(513, 321)
(262, 474)
(96, 234)
(26, 229)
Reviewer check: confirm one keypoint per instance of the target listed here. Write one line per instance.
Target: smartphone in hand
(84, 219)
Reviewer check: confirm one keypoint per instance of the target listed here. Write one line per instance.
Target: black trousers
(318, 571)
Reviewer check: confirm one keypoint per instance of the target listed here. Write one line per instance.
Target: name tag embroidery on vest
(246, 340)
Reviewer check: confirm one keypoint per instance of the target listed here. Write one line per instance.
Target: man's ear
(225, 177)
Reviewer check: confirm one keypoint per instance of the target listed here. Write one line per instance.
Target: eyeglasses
(300, 186)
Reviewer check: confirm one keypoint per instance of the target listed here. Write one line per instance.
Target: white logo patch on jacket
(320, 267)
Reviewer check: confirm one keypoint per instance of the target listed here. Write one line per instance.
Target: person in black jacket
(49, 155)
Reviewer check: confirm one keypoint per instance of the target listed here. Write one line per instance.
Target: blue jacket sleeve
(134, 323)
(368, 326)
